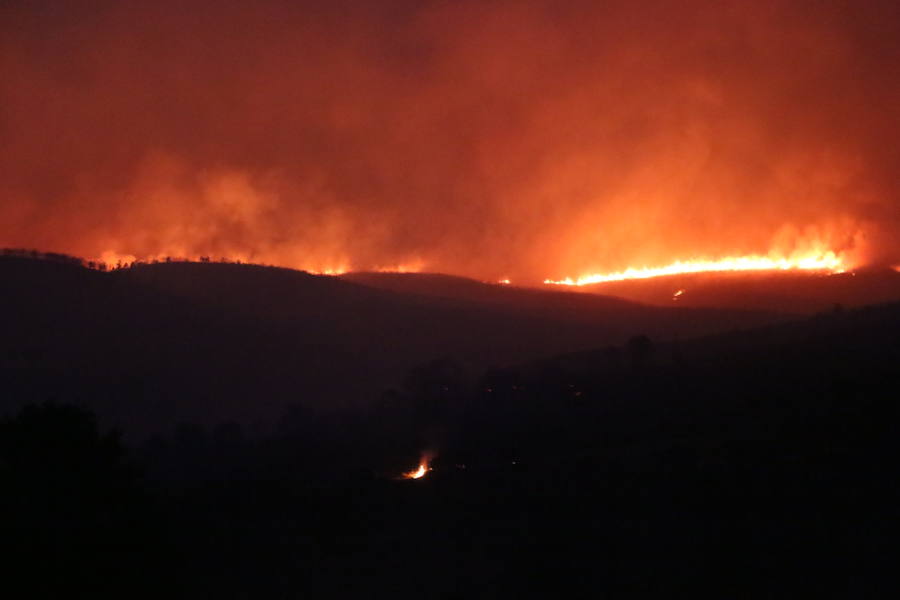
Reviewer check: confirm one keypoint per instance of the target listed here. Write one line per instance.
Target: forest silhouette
(651, 466)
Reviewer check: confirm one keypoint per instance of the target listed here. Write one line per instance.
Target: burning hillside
(817, 262)
(517, 141)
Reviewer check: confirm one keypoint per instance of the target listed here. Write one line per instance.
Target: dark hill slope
(759, 462)
(788, 291)
(820, 386)
(567, 303)
(159, 344)
(773, 451)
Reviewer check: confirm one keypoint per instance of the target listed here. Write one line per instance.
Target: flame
(825, 261)
(420, 471)
(677, 294)
(329, 271)
(815, 256)
(411, 267)
(113, 258)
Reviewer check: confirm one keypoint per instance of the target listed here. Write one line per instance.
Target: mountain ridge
(214, 342)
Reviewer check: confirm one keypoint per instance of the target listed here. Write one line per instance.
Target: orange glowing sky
(522, 141)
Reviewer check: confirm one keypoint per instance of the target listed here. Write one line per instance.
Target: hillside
(159, 344)
(788, 291)
(671, 320)
(646, 467)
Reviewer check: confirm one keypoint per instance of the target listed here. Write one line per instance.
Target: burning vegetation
(512, 140)
(827, 261)
(420, 471)
(417, 473)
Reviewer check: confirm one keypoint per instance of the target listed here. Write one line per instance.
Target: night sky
(522, 139)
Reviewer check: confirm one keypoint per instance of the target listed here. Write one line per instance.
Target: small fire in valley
(677, 294)
(420, 471)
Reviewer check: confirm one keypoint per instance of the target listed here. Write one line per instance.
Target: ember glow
(827, 262)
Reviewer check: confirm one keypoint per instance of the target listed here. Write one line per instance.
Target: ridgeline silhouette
(213, 342)
(750, 463)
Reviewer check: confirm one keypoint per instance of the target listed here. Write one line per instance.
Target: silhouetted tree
(432, 387)
(297, 420)
(71, 504)
(640, 350)
(501, 386)
(57, 451)
(228, 435)
(613, 357)
(190, 438)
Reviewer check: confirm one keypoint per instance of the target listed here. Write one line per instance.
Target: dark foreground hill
(754, 464)
(156, 345)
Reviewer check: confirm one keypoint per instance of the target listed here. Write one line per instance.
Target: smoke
(525, 139)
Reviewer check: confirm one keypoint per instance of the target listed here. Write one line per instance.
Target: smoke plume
(523, 139)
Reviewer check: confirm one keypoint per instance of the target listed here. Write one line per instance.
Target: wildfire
(329, 271)
(816, 260)
(827, 261)
(418, 472)
(113, 258)
(411, 267)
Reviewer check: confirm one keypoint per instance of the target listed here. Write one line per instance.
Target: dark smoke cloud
(524, 139)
